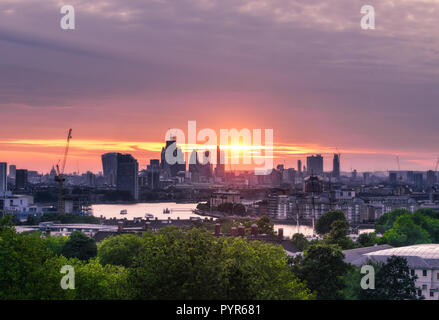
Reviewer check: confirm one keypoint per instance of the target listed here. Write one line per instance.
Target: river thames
(177, 210)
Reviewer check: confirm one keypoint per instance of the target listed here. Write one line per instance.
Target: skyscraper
(220, 163)
(21, 179)
(3, 177)
(431, 178)
(127, 175)
(299, 166)
(109, 167)
(153, 173)
(170, 169)
(12, 169)
(314, 165)
(336, 166)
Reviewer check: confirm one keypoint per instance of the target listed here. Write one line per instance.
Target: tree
(265, 226)
(300, 241)
(367, 239)
(392, 281)
(385, 222)
(195, 265)
(322, 268)
(405, 232)
(339, 235)
(324, 223)
(119, 250)
(79, 246)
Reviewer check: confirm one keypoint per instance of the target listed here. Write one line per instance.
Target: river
(177, 210)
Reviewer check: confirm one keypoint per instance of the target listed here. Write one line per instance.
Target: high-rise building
(12, 169)
(431, 178)
(3, 177)
(220, 163)
(177, 164)
(109, 166)
(366, 177)
(419, 180)
(299, 166)
(153, 173)
(315, 165)
(336, 166)
(393, 177)
(127, 175)
(21, 179)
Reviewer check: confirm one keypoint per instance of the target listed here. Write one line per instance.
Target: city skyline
(129, 71)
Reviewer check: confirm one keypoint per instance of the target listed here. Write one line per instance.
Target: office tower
(299, 167)
(109, 166)
(336, 166)
(410, 177)
(366, 177)
(220, 163)
(315, 165)
(21, 179)
(431, 178)
(419, 180)
(90, 178)
(200, 170)
(153, 173)
(127, 175)
(3, 177)
(392, 177)
(178, 164)
(12, 169)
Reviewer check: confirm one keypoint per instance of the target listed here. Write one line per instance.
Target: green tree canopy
(322, 268)
(324, 223)
(195, 265)
(79, 246)
(119, 250)
(392, 281)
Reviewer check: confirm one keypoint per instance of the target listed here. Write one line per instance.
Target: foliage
(367, 239)
(79, 246)
(324, 223)
(385, 222)
(203, 206)
(322, 268)
(119, 250)
(300, 241)
(232, 209)
(196, 265)
(56, 244)
(392, 281)
(338, 235)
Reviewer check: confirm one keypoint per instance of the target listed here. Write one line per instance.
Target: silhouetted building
(12, 170)
(393, 177)
(419, 180)
(314, 165)
(220, 163)
(153, 173)
(313, 185)
(127, 175)
(299, 167)
(3, 177)
(21, 180)
(175, 163)
(336, 166)
(109, 166)
(431, 178)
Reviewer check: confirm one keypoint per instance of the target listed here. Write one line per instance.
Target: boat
(166, 211)
(124, 211)
(149, 215)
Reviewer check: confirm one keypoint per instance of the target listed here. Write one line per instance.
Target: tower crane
(60, 175)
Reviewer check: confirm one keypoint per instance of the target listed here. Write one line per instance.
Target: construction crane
(399, 170)
(60, 175)
(437, 164)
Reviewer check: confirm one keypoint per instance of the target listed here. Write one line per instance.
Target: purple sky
(133, 69)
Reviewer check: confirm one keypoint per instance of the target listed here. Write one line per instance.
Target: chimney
(241, 231)
(233, 231)
(280, 233)
(119, 226)
(254, 230)
(217, 229)
(147, 225)
(178, 218)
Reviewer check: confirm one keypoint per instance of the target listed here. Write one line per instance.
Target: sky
(133, 69)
